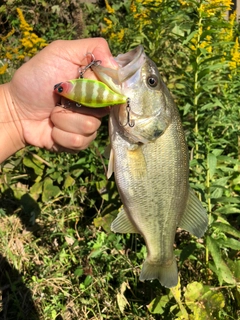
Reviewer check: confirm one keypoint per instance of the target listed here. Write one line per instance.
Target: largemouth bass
(149, 157)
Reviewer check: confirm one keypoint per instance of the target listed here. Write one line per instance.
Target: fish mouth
(130, 62)
(129, 58)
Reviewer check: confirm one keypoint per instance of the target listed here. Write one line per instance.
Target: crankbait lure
(89, 93)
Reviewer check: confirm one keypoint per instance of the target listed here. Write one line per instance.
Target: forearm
(10, 126)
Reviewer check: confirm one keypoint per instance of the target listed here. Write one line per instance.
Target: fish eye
(60, 89)
(152, 81)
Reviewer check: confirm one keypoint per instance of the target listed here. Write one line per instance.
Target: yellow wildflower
(3, 68)
(210, 7)
(112, 35)
(227, 34)
(235, 53)
(108, 7)
(120, 35)
(133, 7)
(24, 26)
(108, 21)
(152, 2)
(10, 33)
(184, 3)
(8, 55)
(21, 56)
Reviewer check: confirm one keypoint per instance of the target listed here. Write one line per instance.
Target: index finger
(76, 51)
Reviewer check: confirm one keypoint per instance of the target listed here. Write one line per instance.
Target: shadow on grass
(16, 301)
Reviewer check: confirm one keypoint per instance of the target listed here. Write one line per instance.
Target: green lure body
(89, 93)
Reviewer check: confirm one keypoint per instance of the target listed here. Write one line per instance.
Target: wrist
(10, 126)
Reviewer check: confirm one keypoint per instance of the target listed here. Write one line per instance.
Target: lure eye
(60, 89)
(152, 81)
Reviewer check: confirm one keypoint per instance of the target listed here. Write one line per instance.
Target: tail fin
(167, 275)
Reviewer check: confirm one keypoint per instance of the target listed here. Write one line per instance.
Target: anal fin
(194, 219)
(122, 223)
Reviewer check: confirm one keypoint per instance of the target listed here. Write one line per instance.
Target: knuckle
(102, 42)
(90, 125)
(77, 142)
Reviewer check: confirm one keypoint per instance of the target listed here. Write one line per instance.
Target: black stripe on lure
(89, 93)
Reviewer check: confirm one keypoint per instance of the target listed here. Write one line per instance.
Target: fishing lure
(87, 92)
(90, 93)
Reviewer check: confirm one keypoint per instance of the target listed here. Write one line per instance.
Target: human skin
(29, 115)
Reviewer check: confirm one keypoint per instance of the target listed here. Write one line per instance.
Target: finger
(76, 51)
(71, 141)
(84, 123)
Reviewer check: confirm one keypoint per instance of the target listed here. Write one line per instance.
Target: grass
(59, 259)
(63, 267)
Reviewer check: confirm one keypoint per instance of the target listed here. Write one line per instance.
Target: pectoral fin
(195, 218)
(122, 223)
(110, 164)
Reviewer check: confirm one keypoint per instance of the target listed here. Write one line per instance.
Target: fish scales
(150, 164)
(154, 195)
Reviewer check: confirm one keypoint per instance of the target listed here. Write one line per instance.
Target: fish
(150, 160)
(90, 93)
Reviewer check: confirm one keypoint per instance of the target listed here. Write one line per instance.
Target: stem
(196, 86)
(208, 202)
(196, 96)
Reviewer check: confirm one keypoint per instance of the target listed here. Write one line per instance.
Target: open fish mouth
(130, 62)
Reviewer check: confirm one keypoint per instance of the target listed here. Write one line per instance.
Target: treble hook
(92, 63)
(129, 122)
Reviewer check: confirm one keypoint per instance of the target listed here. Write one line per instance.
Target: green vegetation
(59, 259)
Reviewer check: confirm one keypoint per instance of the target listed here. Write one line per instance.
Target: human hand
(33, 102)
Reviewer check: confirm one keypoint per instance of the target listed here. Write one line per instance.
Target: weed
(59, 259)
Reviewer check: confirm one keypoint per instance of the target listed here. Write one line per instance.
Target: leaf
(187, 252)
(30, 206)
(212, 164)
(189, 37)
(78, 272)
(68, 182)
(106, 189)
(157, 305)
(49, 190)
(218, 187)
(229, 243)
(36, 189)
(223, 272)
(176, 292)
(193, 292)
(226, 228)
(31, 162)
(104, 222)
(235, 267)
(229, 200)
(203, 302)
(227, 209)
(121, 299)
